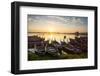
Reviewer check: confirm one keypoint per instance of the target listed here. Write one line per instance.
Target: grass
(33, 56)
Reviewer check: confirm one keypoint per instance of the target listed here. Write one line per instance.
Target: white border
(26, 65)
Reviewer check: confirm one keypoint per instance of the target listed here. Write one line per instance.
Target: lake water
(54, 36)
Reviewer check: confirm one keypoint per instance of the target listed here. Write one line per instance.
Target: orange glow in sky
(65, 24)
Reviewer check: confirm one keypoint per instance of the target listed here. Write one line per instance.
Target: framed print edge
(15, 37)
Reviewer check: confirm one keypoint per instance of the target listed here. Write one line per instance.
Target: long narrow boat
(77, 45)
(50, 49)
(40, 50)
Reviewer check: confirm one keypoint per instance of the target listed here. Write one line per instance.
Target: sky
(53, 23)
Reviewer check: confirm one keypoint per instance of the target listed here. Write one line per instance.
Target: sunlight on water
(54, 36)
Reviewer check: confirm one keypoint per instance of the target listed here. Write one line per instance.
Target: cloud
(65, 22)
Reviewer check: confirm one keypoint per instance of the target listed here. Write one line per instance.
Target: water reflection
(55, 36)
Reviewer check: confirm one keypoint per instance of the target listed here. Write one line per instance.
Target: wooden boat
(57, 46)
(71, 50)
(32, 50)
(40, 50)
(35, 40)
(77, 45)
(50, 49)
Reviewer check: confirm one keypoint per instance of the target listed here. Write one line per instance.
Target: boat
(57, 46)
(50, 49)
(40, 50)
(70, 50)
(77, 45)
(35, 40)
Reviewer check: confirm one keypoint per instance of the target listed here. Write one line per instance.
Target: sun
(51, 29)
